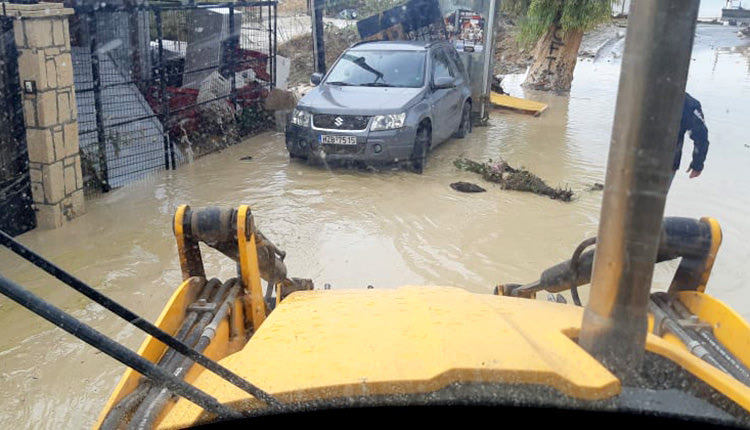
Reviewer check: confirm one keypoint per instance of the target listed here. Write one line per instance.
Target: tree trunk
(555, 57)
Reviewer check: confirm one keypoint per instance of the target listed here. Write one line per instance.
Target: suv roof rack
(429, 43)
(432, 43)
(361, 42)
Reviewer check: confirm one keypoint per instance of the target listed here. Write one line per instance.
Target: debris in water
(513, 179)
(596, 187)
(246, 158)
(467, 187)
(497, 82)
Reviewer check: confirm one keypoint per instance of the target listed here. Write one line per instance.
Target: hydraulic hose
(574, 262)
(680, 237)
(190, 319)
(192, 337)
(731, 363)
(202, 318)
(145, 420)
(115, 350)
(661, 311)
(115, 415)
(125, 406)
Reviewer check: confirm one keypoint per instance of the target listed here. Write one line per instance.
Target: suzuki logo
(338, 121)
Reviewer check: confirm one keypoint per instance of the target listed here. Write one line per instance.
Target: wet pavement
(356, 228)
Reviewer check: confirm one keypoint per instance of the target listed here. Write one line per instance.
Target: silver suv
(383, 102)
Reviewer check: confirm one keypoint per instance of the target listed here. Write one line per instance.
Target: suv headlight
(300, 117)
(388, 122)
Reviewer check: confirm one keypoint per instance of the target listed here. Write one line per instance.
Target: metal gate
(158, 84)
(16, 205)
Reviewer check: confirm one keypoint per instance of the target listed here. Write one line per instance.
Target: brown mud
(510, 56)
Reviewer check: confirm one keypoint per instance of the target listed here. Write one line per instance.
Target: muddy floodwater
(355, 228)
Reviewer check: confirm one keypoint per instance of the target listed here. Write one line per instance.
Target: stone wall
(50, 113)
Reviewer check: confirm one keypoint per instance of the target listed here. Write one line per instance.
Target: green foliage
(515, 8)
(569, 14)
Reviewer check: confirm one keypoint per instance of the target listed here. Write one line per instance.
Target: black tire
(421, 149)
(465, 127)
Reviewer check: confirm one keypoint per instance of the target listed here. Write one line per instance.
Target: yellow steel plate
(328, 344)
(514, 103)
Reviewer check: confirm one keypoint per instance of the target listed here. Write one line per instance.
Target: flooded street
(355, 228)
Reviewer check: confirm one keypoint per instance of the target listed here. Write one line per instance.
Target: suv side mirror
(444, 82)
(316, 78)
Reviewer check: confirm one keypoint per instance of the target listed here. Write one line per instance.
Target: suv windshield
(379, 68)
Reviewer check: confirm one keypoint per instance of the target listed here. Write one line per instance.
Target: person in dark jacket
(692, 121)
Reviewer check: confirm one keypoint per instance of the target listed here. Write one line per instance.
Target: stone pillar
(45, 68)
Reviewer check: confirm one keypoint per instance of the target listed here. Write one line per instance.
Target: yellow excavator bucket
(324, 346)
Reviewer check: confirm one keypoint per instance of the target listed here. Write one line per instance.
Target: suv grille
(344, 149)
(341, 122)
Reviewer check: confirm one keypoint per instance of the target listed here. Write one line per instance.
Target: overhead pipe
(134, 319)
(113, 349)
(650, 98)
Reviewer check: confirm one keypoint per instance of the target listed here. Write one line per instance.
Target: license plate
(338, 140)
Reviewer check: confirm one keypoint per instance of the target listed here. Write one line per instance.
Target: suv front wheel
(421, 148)
(465, 127)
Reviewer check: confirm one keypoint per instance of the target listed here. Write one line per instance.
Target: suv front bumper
(381, 147)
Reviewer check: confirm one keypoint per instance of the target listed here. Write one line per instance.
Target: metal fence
(158, 84)
(16, 205)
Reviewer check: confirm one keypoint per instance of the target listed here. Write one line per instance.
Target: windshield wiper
(339, 83)
(361, 62)
(376, 84)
